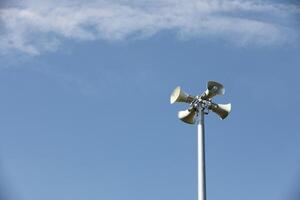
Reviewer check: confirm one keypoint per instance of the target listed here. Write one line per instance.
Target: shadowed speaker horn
(222, 110)
(187, 116)
(180, 96)
(213, 89)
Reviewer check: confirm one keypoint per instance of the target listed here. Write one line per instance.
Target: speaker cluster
(201, 103)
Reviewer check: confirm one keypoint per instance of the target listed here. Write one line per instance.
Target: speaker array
(189, 115)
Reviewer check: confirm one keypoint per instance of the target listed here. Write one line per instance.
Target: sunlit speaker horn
(213, 89)
(188, 116)
(222, 110)
(180, 96)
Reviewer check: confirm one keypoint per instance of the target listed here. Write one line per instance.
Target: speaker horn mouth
(175, 94)
(216, 87)
(178, 95)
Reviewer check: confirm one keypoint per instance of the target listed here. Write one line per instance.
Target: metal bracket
(199, 104)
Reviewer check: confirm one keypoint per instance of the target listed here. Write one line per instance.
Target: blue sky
(85, 110)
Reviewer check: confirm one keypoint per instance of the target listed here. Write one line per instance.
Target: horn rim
(175, 94)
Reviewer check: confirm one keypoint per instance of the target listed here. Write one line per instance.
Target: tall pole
(201, 158)
(201, 104)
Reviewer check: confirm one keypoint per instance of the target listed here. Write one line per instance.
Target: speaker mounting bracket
(199, 104)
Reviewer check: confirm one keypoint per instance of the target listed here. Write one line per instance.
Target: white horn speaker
(213, 89)
(222, 110)
(180, 96)
(187, 116)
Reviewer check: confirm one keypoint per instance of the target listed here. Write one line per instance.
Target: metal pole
(201, 159)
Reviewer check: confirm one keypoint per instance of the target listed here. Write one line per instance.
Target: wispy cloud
(33, 27)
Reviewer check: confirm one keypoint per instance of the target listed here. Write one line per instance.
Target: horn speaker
(179, 95)
(187, 116)
(213, 89)
(221, 109)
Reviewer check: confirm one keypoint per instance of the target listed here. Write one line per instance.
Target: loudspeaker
(180, 96)
(221, 109)
(187, 116)
(213, 89)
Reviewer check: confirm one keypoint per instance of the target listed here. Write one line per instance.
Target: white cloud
(33, 26)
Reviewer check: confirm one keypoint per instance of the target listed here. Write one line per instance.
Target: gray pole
(201, 105)
(201, 159)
